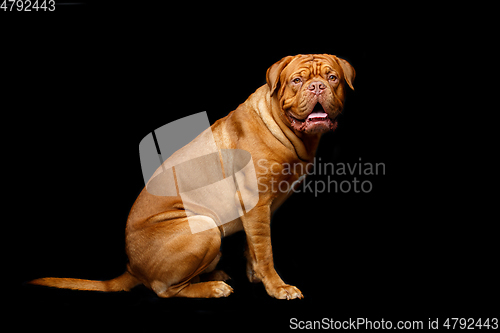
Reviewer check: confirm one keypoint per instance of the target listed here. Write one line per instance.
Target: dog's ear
(274, 72)
(349, 72)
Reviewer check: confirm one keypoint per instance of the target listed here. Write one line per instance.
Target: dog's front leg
(257, 225)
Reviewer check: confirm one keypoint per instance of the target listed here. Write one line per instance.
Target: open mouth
(316, 122)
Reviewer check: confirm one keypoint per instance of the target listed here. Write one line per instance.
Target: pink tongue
(317, 115)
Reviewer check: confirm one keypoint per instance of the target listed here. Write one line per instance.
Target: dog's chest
(287, 181)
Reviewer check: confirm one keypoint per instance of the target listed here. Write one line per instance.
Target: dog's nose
(317, 87)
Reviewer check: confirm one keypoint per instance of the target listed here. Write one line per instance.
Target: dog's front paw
(285, 291)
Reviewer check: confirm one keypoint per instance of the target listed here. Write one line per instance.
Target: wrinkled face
(311, 90)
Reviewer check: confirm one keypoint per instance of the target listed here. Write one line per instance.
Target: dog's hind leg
(171, 260)
(206, 290)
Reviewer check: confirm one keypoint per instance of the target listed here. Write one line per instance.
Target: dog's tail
(124, 282)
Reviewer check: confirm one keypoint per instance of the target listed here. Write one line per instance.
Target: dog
(279, 124)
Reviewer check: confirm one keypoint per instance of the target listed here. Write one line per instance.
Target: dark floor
(371, 283)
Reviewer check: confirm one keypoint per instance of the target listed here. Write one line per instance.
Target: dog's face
(310, 90)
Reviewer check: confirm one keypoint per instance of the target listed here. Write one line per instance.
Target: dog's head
(310, 89)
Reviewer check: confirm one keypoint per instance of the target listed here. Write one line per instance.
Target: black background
(89, 82)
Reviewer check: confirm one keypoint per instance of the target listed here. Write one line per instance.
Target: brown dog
(280, 124)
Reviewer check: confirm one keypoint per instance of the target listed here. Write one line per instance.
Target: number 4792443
(28, 5)
(471, 323)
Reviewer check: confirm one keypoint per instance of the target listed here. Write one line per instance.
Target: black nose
(317, 87)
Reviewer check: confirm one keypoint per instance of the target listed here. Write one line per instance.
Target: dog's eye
(297, 80)
(332, 77)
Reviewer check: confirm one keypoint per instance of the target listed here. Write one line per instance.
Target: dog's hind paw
(221, 289)
(217, 275)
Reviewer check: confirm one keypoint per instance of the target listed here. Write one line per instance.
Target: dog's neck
(304, 145)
